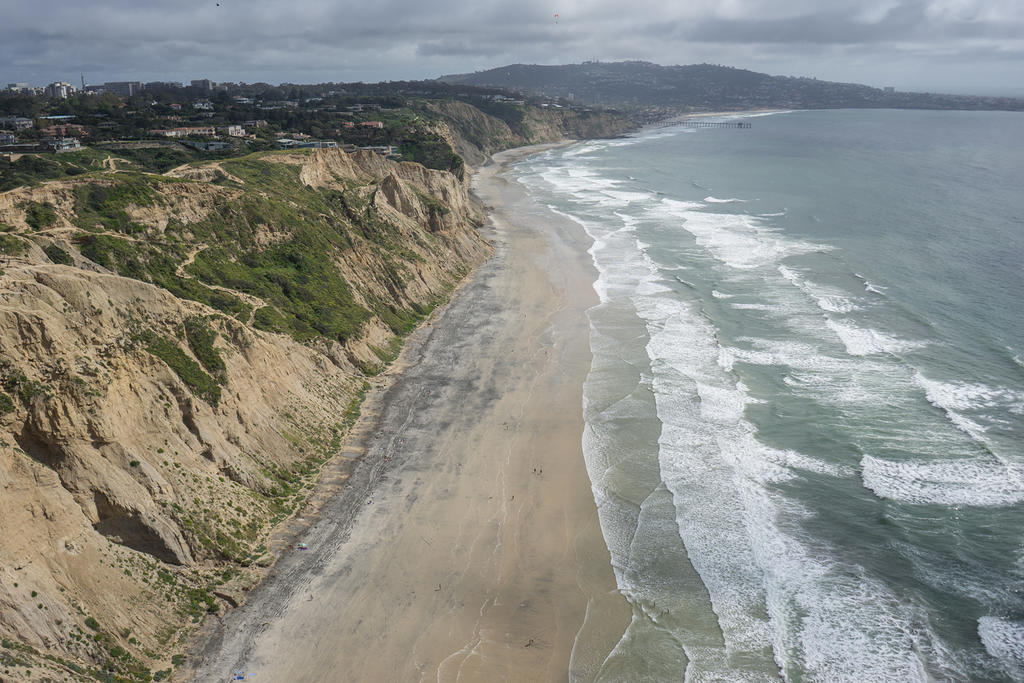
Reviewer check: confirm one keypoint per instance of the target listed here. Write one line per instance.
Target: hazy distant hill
(645, 84)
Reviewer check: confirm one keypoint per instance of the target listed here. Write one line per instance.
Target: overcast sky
(960, 46)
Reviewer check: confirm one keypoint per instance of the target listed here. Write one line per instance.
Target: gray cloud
(897, 42)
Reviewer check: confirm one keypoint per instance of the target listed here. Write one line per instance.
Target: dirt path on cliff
(465, 544)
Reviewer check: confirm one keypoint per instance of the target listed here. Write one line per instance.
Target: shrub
(57, 255)
(202, 385)
(99, 206)
(200, 340)
(11, 245)
(40, 215)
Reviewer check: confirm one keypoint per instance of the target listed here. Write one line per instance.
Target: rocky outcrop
(158, 417)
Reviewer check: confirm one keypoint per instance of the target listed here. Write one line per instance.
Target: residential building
(60, 89)
(123, 88)
(18, 87)
(208, 145)
(288, 143)
(206, 131)
(62, 144)
(64, 130)
(383, 150)
(205, 105)
(7, 138)
(372, 124)
(15, 122)
(233, 131)
(203, 84)
(255, 123)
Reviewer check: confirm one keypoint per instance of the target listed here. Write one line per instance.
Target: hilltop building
(65, 130)
(60, 89)
(123, 88)
(184, 131)
(203, 84)
(15, 122)
(59, 145)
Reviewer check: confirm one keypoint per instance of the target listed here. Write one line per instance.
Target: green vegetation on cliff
(34, 168)
(202, 384)
(109, 384)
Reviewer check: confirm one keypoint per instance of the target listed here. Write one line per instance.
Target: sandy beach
(465, 544)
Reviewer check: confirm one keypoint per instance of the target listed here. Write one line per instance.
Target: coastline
(466, 544)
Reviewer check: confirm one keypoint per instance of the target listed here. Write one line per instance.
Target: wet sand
(465, 545)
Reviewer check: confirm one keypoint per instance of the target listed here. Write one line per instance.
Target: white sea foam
(717, 470)
(625, 196)
(831, 619)
(719, 295)
(864, 341)
(952, 396)
(738, 240)
(754, 307)
(978, 482)
(869, 286)
(1004, 640)
(827, 299)
(794, 354)
(680, 208)
(731, 200)
(956, 398)
(586, 148)
(827, 620)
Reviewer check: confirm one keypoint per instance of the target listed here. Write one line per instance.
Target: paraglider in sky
(556, 17)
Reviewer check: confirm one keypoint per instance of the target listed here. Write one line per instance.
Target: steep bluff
(179, 355)
(476, 134)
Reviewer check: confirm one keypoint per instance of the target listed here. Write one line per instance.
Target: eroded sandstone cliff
(476, 134)
(178, 356)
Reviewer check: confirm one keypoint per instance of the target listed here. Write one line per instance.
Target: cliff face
(475, 134)
(178, 356)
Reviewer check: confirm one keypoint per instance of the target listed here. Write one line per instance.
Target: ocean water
(805, 413)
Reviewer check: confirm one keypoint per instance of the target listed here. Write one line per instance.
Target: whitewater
(805, 410)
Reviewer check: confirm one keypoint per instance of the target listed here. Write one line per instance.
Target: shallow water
(805, 412)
